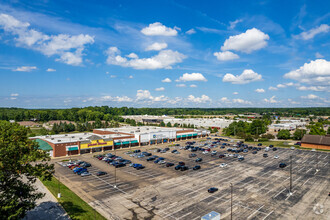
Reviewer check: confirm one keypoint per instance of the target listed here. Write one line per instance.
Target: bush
(283, 134)
(249, 138)
(263, 139)
(268, 136)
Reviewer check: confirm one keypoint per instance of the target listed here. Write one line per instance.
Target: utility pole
(231, 201)
(115, 186)
(234, 130)
(317, 160)
(290, 174)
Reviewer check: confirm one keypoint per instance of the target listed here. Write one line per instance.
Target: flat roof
(69, 138)
(142, 129)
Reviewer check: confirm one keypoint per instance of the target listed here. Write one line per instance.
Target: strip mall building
(113, 138)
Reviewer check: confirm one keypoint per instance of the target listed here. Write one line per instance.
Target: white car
(214, 152)
(85, 174)
(292, 148)
(276, 157)
(205, 152)
(223, 165)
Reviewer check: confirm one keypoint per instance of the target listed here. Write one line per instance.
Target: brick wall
(316, 146)
(60, 149)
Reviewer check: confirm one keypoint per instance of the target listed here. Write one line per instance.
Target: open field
(260, 188)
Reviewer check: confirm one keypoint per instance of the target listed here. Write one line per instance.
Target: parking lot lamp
(231, 201)
(115, 186)
(290, 174)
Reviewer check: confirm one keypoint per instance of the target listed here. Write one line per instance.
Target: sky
(63, 54)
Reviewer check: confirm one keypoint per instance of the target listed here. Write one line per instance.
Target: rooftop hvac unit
(72, 137)
(80, 138)
(52, 138)
(85, 133)
(132, 132)
(58, 140)
(66, 135)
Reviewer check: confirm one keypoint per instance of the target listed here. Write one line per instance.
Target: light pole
(231, 201)
(115, 186)
(291, 174)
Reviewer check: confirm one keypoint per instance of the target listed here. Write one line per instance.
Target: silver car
(85, 174)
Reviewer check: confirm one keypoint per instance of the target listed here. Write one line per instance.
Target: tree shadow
(47, 210)
(73, 210)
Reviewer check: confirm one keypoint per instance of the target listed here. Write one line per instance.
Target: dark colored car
(151, 158)
(177, 167)
(181, 163)
(274, 149)
(254, 152)
(271, 146)
(241, 159)
(81, 171)
(221, 156)
(192, 155)
(100, 173)
(138, 166)
(199, 160)
(259, 144)
(183, 168)
(265, 155)
(197, 167)
(212, 190)
(173, 151)
(120, 165)
(282, 165)
(169, 164)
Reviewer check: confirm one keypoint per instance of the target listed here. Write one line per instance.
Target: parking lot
(260, 187)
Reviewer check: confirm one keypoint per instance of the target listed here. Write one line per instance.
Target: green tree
(299, 134)
(162, 124)
(168, 124)
(20, 164)
(283, 134)
(316, 129)
(328, 131)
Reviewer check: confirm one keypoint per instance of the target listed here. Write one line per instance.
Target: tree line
(114, 114)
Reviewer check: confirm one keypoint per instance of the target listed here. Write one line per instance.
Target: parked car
(292, 148)
(192, 155)
(81, 171)
(221, 156)
(120, 165)
(276, 157)
(138, 166)
(173, 151)
(182, 163)
(151, 158)
(259, 144)
(169, 164)
(254, 152)
(265, 155)
(212, 190)
(282, 165)
(183, 168)
(199, 160)
(197, 167)
(100, 173)
(274, 149)
(223, 165)
(85, 174)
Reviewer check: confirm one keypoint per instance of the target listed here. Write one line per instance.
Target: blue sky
(56, 54)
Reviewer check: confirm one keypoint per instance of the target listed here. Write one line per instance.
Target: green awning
(190, 135)
(178, 136)
(72, 148)
(133, 142)
(184, 136)
(126, 142)
(118, 143)
(194, 134)
(43, 145)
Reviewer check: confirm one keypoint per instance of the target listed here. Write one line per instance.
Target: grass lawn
(275, 143)
(73, 204)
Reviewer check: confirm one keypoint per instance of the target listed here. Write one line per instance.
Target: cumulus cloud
(180, 85)
(312, 88)
(115, 99)
(284, 85)
(247, 76)
(235, 93)
(271, 100)
(193, 86)
(253, 39)
(144, 95)
(130, 77)
(14, 96)
(132, 55)
(51, 70)
(224, 99)
(191, 77)
(156, 46)
(202, 99)
(69, 48)
(259, 90)
(316, 72)
(307, 35)
(225, 56)
(242, 101)
(310, 96)
(163, 60)
(318, 55)
(160, 89)
(166, 80)
(191, 31)
(25, 68)
(272, 88)
(158, 29)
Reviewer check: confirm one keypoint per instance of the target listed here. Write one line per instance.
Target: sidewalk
(47, 207)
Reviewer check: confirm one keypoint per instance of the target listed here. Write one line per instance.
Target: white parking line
(255, 212)
(268, 214)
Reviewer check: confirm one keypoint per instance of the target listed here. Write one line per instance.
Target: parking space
(260, 187)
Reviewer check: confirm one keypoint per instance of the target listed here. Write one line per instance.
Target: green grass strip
(73, 204)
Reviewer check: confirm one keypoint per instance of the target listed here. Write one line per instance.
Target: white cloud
(164, 59)
(51, 70)
(318, 55)
(158, 29)
(202, 99)
(156, 46)
(225, 56)
(175, 100)
(241, 101)
(310, 96)
(280, 86)
(314, 73)
(113, 99)
(113, 76)
(160, 89)
(247, 76)
(272, 88)
(224, 99)
(69, 48)
(271, 100)
(235, 93)
(307, 35)
(193, 86)
(234, 23)
(191, 31)
(312, 88)
(167, 80)
(161, 98)
(284, 85)
(14, 94)
(260, 90)
(130, 77)
(143, 95)
(252, 39)
(25, 68)
(180, 85)
(192, 77)
(132, 55)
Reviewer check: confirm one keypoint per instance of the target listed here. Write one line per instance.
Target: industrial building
(316, 142)
(201, 122)
(111, 138)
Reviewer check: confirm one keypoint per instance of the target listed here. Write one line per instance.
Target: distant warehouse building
(316, 142)
(112, 138)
